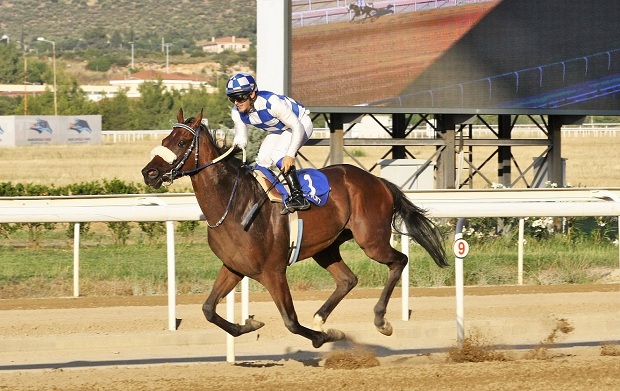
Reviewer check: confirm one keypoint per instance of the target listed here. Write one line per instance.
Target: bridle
(175, 172)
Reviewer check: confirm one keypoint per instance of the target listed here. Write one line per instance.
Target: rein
(176, 172)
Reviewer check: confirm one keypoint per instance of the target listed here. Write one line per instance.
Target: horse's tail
(419, 227)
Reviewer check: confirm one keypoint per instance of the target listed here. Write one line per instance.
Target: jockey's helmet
(241, 83)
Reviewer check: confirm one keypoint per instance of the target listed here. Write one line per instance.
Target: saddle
(316, 189)
(313, 182)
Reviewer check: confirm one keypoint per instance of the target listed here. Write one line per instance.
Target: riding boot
(296, 201)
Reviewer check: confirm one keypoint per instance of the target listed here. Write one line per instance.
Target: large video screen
(457, 56)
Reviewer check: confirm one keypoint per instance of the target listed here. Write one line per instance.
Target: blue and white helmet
(240, 83)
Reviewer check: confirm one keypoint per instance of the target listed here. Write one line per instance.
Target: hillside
(144, 22)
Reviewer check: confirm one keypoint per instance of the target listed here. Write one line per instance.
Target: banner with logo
(50, 130)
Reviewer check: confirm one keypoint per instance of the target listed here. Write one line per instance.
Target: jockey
(288, 126)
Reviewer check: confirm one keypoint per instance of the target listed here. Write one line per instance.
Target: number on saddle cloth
(313, 182)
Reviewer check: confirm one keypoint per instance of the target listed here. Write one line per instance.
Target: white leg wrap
(317, 324)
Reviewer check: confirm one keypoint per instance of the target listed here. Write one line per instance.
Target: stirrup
(290, 207)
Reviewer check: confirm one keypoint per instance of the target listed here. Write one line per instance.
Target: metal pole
(54, 71)
(132, 63)
(520, 252)
(230, 316)
(245, 299)
(76, 260)
(55, 86)
(404, 242)
(167, 58)
(172, 287)
(461, 249)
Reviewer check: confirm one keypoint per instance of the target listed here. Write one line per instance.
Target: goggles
(239, 98)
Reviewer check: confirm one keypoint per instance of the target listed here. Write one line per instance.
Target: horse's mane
(204, 129)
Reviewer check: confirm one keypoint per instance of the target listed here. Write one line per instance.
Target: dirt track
(122, 343)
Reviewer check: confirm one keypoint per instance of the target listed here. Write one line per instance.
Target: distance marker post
(461, 249)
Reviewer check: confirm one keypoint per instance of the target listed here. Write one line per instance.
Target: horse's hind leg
(225, 282)
(396, 262)
(331, 260)
(278, 287)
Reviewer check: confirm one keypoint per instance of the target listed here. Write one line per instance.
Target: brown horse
(360, 207)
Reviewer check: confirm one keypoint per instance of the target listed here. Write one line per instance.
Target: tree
(96, 37)
(73, 101)
(154, 110)
(10, 72)
(9, 106)
(116, 112)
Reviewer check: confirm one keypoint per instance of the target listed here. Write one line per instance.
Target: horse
(361, 11)
(361, 206)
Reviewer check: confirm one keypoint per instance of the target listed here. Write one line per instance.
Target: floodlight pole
(54, 71)
(132, 64)
(167, 57)
(25, 77)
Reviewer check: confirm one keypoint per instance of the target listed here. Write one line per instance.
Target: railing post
(230, 316)
(172, 286)
(404, 242)
(520, 251)
(76, 260)
(461, 249)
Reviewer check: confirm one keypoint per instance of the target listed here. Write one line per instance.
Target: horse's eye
(182, 143)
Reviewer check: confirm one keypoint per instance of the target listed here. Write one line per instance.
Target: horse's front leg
(278, 287)
(225, 282)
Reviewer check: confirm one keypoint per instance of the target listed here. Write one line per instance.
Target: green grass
(140, 267)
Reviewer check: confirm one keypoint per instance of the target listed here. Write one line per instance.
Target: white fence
(478, 131)
(318, 12)
(519, 203)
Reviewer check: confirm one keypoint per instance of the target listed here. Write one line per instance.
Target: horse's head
(170, 160)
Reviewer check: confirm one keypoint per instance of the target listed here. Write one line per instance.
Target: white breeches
(274, 146)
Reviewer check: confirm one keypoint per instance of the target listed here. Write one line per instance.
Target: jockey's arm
(241, 131)
(284, 113)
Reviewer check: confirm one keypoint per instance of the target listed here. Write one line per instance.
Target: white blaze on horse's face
(164, 153)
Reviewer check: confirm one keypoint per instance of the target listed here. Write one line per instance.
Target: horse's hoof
(386, 329)
(334, 335)
(331, 335)
(252, 325)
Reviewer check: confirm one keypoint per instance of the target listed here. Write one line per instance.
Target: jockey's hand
(240, 142)
(287, 163)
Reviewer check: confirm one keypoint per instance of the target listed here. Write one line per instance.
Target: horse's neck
(215, 183)
(208, 155)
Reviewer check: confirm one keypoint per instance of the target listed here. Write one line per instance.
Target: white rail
(183, 207)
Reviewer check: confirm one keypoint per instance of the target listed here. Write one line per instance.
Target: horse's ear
(180, 116)
(196, 123)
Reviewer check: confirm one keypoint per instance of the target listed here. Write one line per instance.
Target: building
(171, 81)
(129, 84)
(94, 93)
(218, 45)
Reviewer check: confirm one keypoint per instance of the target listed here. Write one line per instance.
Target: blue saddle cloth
(313, 183)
